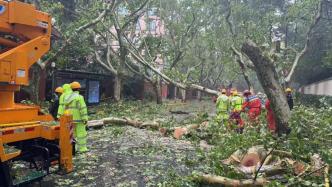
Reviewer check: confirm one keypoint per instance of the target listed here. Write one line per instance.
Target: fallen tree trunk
(183, 86)
(178, 132)
(212, 179)
(123, 121)
(268, 170)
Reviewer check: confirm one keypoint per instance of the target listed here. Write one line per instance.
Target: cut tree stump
(219, 180)
(178, 132)
(254, 156)
(122, 121)
(316, 163)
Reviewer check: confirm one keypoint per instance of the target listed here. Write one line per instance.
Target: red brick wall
(148, 89)
(164, 90)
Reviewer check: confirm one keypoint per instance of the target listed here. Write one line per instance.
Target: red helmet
(246, 92)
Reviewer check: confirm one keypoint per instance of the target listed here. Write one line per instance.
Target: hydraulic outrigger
(26, 134)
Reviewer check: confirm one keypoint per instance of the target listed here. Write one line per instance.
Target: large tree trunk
(117, 85)
(269, 80)
(123, 121)
(157, 89)
(175, 93)
(183, 95)
(199, 95)
(33, 88)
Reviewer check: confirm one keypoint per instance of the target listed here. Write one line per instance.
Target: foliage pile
(130, 109)
(164, 161)
(310, 135)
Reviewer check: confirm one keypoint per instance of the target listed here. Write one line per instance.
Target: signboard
(94, 92)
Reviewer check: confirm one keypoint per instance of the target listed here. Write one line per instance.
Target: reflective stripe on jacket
(252, 103)
(76, 105)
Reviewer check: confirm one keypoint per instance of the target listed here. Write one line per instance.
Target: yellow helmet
(59, 90)
(75, 85)
(288, 90)
(223, 91)
(234, 93)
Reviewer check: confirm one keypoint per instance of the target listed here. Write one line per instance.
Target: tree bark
(122, 121)
(157, 89)
(183, 95)
(212, 179)
(117, 88)
(199, 95)
(243, 66)
(269, 80)
(178, 132)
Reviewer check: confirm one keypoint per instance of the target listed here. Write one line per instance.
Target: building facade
(323, 87)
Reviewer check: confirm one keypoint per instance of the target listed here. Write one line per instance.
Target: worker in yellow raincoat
(222, 106)
(236, 108)
(75, 104)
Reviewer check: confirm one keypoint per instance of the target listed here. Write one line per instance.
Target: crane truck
(27, 135)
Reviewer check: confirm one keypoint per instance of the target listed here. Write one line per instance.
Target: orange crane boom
(25, 36)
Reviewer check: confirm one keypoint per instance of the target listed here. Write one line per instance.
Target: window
(138, 26)
(152, 12)
(152, 25)
(123, 11)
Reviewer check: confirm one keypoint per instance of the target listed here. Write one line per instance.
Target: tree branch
(109, 7)
(228, 16)
(306, 45)
(190, 70)
(134, 15)
(137, 72)
(243, 66)
(244, 63)
(179, 55)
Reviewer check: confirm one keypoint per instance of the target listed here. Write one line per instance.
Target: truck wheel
(6, 179)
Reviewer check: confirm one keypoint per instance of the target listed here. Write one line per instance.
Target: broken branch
(122, 121)
(213, 179)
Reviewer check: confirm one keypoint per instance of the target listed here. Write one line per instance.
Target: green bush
(313, 100)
